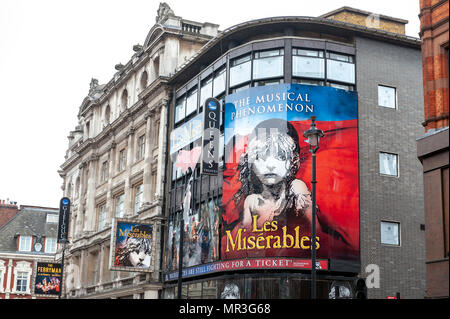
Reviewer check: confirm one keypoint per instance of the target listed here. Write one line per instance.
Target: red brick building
(26, 238)
(433, 148)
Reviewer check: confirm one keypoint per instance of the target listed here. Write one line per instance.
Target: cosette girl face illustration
(270, 156)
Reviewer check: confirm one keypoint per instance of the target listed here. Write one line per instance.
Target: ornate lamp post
(313, 136)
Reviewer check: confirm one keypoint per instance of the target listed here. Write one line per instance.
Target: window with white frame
(50, 245)
(340, 68)
(22, 275)
(308, 63)
(180, 109)
(268, 64)
(390, 233)
(119, 204)
(388, 164)
(240, 70)
(387, 96)
(219, 82)
(52, 218)
(191, 102)
(25, 243)
(22, 281)
(101, 217)
(205, 90)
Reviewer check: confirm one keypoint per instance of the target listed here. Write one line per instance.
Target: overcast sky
(50, 50)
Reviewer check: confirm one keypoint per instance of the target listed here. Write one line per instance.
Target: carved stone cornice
(130, 131)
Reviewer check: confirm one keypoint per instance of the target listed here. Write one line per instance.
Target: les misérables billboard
(131, 246)
(267, 176)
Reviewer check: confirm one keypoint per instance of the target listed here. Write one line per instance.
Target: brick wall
(385, 198)
(369, 21)
(434, 28)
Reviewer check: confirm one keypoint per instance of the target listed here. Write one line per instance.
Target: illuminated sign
(63, 224)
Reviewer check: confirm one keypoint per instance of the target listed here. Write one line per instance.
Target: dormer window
(52, 218)
(50, 245)
(25, 243)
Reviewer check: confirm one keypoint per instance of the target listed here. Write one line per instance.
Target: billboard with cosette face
(131, 246)
(267, 175)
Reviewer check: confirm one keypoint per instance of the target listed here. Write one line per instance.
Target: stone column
(91, 224)
(128, 201)
(148, 188)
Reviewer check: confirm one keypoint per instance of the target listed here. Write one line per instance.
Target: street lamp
(313, 136)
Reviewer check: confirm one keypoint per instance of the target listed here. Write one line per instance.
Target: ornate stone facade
(114, 165)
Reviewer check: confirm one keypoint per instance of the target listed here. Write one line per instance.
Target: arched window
(144, 79)
(124, 100)
(107, 115)
(77, 186)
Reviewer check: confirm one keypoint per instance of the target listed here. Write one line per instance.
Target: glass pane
(308, 67)
(310, 53)
(388, 164)
(268, 82)
(180, 110)
(240, 60)
(191, 103)
(219, 83)
(205, 91)
(240, 73)
(389, 233)
(341, 71)
(270, 53)
(268, 67)
(386, 96)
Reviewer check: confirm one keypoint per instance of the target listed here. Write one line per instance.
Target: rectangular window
(52, 218)
(21, 281)
(240, 70)
(138, 193)
(101, 217)
(390, 233)
(205, 90)
(25, 243)
(50, 245)
(122, 160)
(180, 109)
(219, 82)
(387, 96)
(141, 147)
(308, 63)
(267, 64)
(340, 68)
(191, 102)
(119, 204)
(104, 172)
(388, 164)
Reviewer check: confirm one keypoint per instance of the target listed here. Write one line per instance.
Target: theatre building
(114, 168)
(247, 229)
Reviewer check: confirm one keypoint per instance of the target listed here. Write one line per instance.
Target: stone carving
(163, 12)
